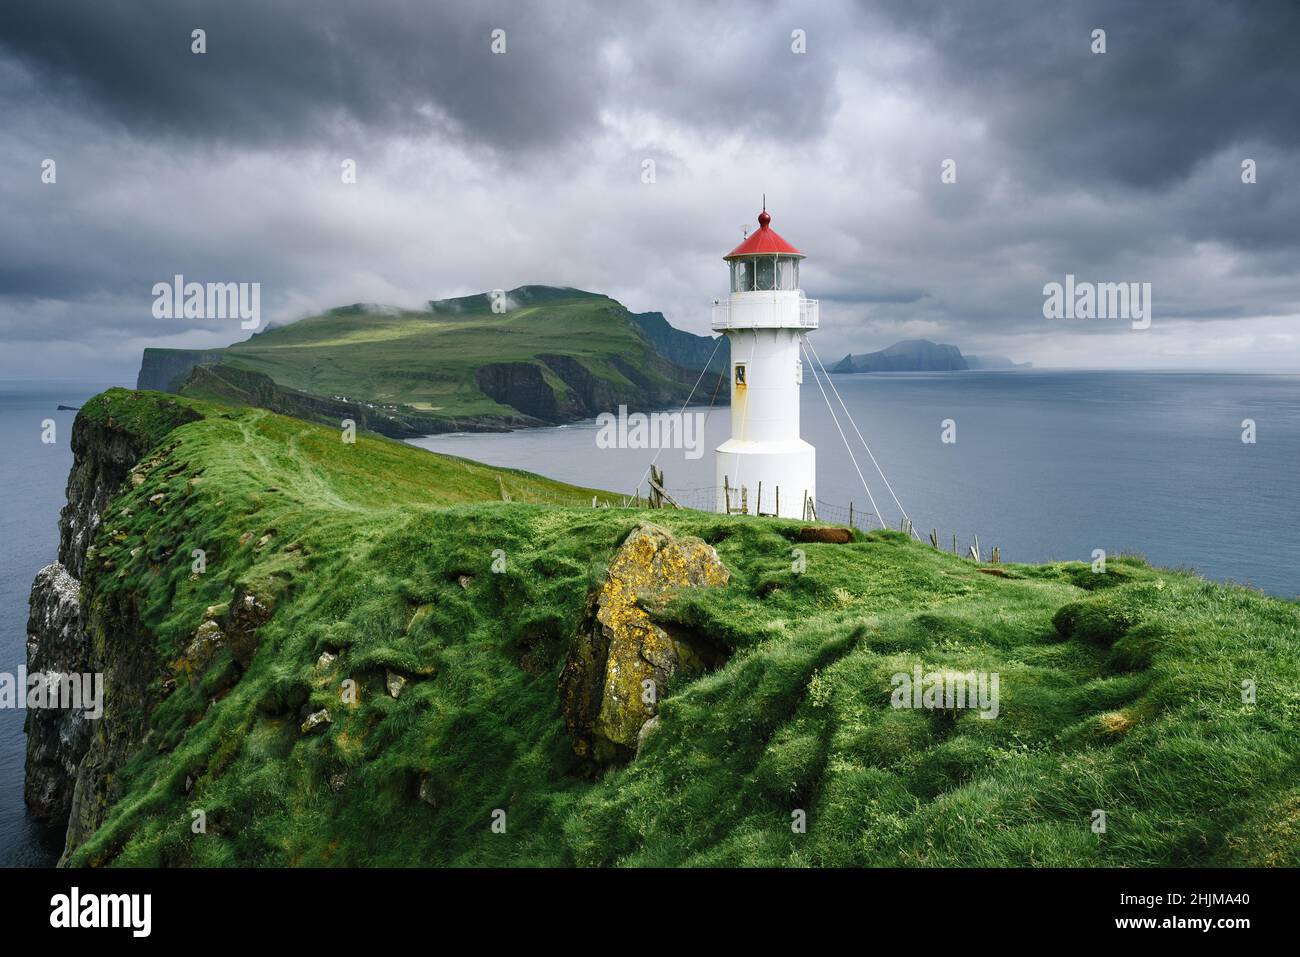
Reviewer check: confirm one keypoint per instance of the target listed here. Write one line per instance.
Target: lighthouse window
(765, 273)
(740, 373)
(787, 273)
(742, 276)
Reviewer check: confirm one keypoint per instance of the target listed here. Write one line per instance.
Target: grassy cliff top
(1119, 692)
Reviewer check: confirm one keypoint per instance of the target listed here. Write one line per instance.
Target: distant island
(543, 356)
(922, 355)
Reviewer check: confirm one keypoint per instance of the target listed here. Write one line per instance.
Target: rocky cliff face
(103, 455)
(56, 740)
(66, 631)
(524, 386)
(122, 648)
(163, 370)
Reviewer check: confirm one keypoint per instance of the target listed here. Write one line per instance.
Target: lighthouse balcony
(772, 310)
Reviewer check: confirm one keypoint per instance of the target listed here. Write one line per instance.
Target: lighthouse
(764, 318)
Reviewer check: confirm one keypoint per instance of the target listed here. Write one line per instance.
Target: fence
(744, 501)
(706, 498)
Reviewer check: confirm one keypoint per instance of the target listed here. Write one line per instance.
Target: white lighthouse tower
(764, 319)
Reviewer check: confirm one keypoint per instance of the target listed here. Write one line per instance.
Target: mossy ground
(1119, 692)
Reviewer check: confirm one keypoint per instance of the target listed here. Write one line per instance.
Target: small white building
(764, 318)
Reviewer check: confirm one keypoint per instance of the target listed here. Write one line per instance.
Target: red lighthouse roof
(765, 241)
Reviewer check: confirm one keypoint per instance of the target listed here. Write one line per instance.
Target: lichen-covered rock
(317, 722)
(395, 683)
(200, 652)
(249, 611)
(622, 659)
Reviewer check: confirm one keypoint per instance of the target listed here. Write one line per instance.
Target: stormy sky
(480, 170)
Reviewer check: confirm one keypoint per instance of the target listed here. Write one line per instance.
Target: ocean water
(33, 476)
(1046, 465)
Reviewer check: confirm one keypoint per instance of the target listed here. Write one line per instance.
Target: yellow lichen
(650, 566)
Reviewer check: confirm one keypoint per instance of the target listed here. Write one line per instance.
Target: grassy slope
(369, 544)
(428, 359)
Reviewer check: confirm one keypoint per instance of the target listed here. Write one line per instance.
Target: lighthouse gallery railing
(762, 315)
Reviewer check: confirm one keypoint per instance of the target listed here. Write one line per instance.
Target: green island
(536, 355)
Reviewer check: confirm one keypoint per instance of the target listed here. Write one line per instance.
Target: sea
(1045, 465)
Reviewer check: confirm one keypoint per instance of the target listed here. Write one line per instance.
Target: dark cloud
(302, 68)
(480, 171)
(289, 70)
(1178, 83)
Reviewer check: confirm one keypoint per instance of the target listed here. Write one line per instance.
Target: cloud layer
(479, 170)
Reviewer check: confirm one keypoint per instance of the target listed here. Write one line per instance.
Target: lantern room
(764, 262)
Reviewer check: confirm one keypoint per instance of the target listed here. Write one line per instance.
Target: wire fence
(710, 499)
(745, 501)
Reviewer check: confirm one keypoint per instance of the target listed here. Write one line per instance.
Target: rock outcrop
(249, 611)
(559, 388)
(163, 370)
(124, 651)
(522, 386)
(104, 452)
(620, 663)
(56, 739)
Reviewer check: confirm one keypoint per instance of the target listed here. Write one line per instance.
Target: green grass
(1119, 692)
